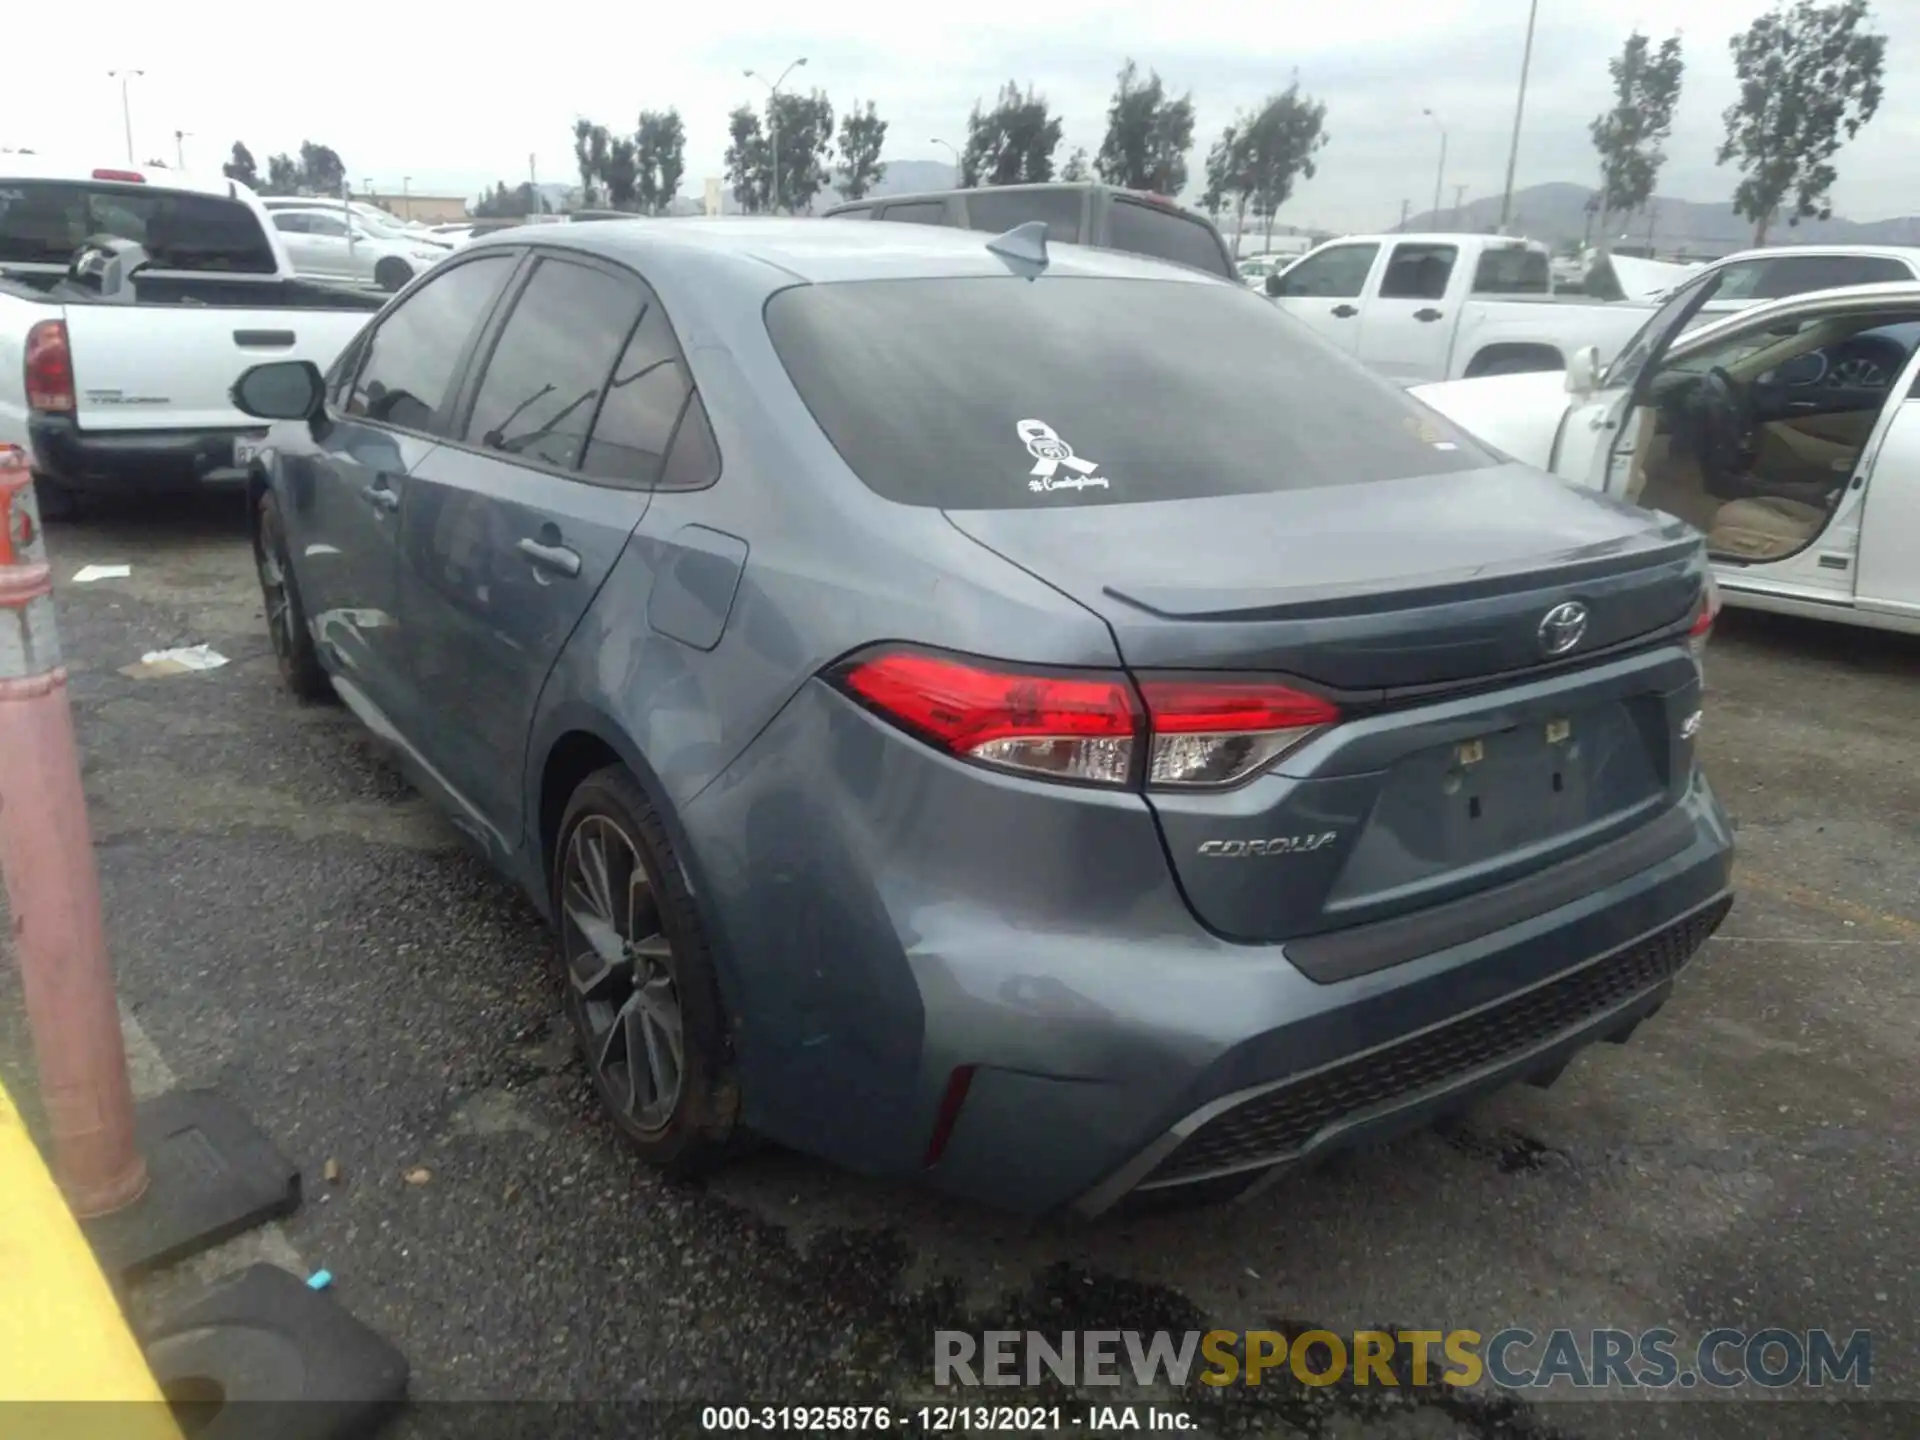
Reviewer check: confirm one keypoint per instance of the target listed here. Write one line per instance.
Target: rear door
(1408, 325)
(1888, 579)
(512, 529)
(1324, 291)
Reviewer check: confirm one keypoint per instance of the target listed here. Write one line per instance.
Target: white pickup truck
(130, 301)
(1423, 308)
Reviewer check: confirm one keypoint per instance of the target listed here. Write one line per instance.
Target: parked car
(1074, 211)
(1148, 754)
(330, 242)
(1788, 433)
(1422, 308)
(383, 223)
(1254, 269)
(130, 298)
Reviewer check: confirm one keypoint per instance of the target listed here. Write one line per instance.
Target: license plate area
(246, 449)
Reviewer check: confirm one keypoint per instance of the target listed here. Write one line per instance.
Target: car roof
(1890, 293)
(1909, 253)
(771, 254)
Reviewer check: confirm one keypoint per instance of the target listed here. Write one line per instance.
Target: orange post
(53, 889)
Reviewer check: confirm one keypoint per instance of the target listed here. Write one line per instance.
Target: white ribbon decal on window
(1050, 453)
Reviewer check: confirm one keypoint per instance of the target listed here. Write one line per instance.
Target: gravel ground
(291, 924)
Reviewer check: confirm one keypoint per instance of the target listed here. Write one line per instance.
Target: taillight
(127, 177)
(1703, 617)
(49, 368)
(1094, 727)
(1209, 732)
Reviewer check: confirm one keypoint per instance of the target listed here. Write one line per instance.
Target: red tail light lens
(1089, 726)
(1067, 726)
(127, 177)
(1218, 732)
(1703, 618)
(49, 368)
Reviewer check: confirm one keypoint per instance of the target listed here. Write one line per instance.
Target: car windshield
(1661, 327)
(1000, 393)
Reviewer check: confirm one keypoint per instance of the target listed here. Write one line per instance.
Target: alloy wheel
(620, 972)
(279, 601)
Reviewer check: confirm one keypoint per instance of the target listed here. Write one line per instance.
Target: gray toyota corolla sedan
(1040, 721)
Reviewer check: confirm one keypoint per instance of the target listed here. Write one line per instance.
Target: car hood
(1518, 415)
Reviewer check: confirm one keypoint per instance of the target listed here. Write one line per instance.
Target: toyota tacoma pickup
(130, 301)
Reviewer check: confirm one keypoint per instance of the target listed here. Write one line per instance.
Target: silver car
(332, 242)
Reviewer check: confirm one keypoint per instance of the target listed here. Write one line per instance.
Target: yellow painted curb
(62, 1335)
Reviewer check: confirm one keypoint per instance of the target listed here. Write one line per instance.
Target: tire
(687, 1126)
(57, 503)
(391, 274)
(300, 668)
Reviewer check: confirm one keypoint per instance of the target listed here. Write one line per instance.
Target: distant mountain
(1557, 213)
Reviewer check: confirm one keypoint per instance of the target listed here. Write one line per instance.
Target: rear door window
(42, 222)
(644, 401)
(549, 366)
(1194, 390)
(1418, 271)
(918, 212)
(1164, 233)
(1001, 208)
(1786, 275)
(1337, 273)
(409, 362)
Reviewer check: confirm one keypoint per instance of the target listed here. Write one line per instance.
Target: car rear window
(1512, 270)
(998, 393)
(42, 222)
(1164, 234)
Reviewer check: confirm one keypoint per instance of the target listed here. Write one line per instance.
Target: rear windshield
(1514, 271)
(42, 222)
(1001, 393)
(1164, 234)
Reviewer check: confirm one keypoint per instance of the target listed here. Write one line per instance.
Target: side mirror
(280, 390)
(1583, 370)
(1274, 287)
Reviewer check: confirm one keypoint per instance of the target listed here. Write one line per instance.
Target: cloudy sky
(455, 98)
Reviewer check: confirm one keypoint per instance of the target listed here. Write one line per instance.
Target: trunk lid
(1467, 755)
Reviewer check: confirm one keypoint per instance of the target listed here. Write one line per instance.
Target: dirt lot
(292, 924)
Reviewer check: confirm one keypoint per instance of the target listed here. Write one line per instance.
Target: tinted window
(1738, 282)
(999, 210)
(643, 402)
(409, 360)
(1798, 274)
(1418, 272)
(1165, 235)
(1337, 273)
(319, 224)
(1165, 390)
(1518, 270)
(42, 222)
(544, 378)
(694, 461)
(290, 223)
(920, 212)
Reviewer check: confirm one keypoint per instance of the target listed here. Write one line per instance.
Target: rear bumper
(134, 461)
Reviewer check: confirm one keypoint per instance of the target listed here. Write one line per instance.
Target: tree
(622, 173)
(241, 167)
(283, 175)
(749, 175)
(1278, 146)
(1226, 166)
(1809, 77)
(1148, 135)
(1077, 167)
(322, 172)
(862, 134)
(1630, 136)
(590, 142)
(804, 134)
(1011, 144)
(661, 143)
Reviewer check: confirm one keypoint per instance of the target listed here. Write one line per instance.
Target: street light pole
(180, 147)
(406, 200)
(773, 118)
(1519, 110)
(126, 105)
(957, 167)
(1439, 175)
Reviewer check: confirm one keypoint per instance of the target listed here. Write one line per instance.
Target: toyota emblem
(1563, 627)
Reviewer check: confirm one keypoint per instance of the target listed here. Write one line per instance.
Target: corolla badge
(1563, 627)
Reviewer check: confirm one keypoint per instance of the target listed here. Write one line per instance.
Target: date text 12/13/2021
(943, 1419)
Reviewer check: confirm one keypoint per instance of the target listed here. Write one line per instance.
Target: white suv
(330, 241)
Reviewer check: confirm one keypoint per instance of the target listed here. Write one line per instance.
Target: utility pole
(126, 106)
(180, 147)
(1459, 198)
(1519, 110)
(773, 119)
(1406, 207)
(1439, 175)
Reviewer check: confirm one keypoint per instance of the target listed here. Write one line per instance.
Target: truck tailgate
(167, 367)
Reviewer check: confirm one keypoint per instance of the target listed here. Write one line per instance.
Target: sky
(456, 99)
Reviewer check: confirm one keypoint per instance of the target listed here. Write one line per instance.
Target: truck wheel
(286, 620)
(391, 274)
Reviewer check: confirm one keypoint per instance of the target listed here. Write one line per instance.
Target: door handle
(1343, 311)
(556, 558)
(380, 495)
(1427, 316)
